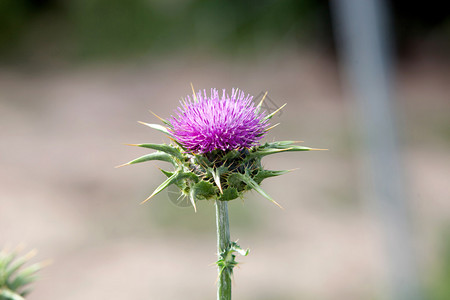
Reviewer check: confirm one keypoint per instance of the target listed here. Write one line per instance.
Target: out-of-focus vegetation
(15, 276)
(117, 28)
(122, 28)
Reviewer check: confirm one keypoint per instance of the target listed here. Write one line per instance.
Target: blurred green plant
(135, 26)
(14, 275)
(123, 28)
(115, 27)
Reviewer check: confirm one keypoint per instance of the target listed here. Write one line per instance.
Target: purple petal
(204, 124)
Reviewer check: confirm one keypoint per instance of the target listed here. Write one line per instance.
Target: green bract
(222, 175)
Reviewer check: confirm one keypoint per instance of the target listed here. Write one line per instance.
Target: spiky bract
(222, 175)
(14, 277)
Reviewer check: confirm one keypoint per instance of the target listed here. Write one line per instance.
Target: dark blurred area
(418, 24)
(34, 30)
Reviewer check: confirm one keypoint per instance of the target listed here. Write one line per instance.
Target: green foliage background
(117, 28)
(122, 28)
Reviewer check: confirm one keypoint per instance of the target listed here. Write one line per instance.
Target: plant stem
(223, 246)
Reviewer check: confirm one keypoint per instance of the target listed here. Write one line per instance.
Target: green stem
(223, 246)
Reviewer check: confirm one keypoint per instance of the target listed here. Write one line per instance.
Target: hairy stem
(223, 246)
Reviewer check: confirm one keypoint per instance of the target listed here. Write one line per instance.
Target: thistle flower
(216, 155)
(208, 123)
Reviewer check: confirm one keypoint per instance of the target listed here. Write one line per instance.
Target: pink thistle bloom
(208, 123)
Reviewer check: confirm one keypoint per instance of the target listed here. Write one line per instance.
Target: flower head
(216, 154)
(208, 123)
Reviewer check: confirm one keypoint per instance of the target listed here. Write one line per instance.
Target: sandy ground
(62, 132)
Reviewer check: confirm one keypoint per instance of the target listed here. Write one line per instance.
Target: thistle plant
(14, 277)
(216, 155)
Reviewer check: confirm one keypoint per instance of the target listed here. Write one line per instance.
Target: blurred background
(75, 76)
